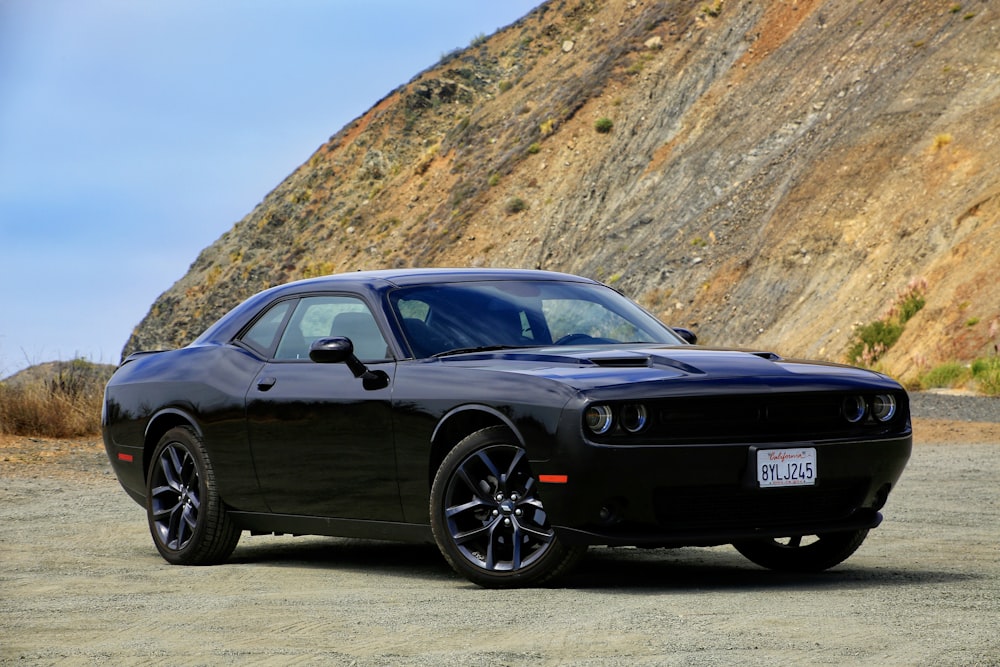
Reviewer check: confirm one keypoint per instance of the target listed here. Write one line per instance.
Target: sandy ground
(81, 584)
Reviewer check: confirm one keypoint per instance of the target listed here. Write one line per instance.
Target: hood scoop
(633, 361)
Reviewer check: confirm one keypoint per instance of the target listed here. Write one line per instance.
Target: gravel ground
(81, 584)
(960, 407)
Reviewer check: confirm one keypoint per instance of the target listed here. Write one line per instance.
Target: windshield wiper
(481, 348)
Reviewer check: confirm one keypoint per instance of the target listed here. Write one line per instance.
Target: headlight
(634, 417)
(884, 407)
(598, 418)
(854, 409)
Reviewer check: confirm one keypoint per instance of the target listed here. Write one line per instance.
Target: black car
(512, 417)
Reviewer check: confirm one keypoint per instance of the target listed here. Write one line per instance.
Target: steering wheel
(569, 339)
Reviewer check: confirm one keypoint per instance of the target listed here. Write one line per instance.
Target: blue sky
(134, 134)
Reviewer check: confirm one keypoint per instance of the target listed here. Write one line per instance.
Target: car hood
(596, 367)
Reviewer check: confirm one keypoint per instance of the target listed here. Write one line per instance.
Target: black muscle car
(512, 417)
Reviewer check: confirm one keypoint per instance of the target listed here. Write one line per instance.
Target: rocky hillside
(771, 174)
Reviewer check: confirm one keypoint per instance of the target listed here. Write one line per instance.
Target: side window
(325, 316)
(262, 334)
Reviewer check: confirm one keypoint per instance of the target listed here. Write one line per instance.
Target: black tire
(487, 518)
(803, 553)
(187, 518)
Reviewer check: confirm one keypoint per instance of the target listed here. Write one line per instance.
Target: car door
(322, 443)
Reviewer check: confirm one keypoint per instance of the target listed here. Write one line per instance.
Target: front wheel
(187, 518)
(487, 518)
(803, 553)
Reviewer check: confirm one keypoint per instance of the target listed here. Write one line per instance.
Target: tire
(487, 518)
(187, 518)
(812, 553)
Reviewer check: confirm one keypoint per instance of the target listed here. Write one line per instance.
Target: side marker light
(553, 479)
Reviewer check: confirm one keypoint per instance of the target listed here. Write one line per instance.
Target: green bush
(515, 205)
(603, 125)
(986, 373)
(911, 304)
(949, 374)
(872, 340)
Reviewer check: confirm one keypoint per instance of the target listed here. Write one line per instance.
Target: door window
(318, 317)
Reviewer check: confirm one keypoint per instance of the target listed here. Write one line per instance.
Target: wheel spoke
(532, 502)
(542, 535)
(174, 527)
(516, 542)
(491, 563)
(476, 487)
(488, 462)
(189, 520)
(473, 504)
(518, 456)
(462, 537)
(162, 510)
(170, 466)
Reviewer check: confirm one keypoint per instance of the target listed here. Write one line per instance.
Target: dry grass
(57, 400)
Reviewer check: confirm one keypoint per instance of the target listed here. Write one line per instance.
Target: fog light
(634, 417)
(854, 409)
(884, 407)
(612, 511)
(598, 418)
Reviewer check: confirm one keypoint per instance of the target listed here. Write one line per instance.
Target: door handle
(264, 384)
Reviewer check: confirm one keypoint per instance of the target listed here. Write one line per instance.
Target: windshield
(452, 317)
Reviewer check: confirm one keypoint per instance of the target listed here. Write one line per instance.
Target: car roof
(420, 276)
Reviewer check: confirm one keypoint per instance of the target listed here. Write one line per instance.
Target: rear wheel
(803, 553)
(487, 518)
(187, 518)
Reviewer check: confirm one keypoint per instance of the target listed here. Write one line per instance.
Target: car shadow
(373, 556)
(724, 569)
(641, 571)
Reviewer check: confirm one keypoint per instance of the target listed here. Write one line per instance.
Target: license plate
(786, 467)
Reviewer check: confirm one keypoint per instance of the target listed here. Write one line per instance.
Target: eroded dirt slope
(775, 173)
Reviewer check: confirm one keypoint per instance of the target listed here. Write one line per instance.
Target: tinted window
(262, 334)
(439, 318)
(326, 316)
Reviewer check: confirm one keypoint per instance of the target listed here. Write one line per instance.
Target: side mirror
(689, 336)
(341, 350)
(331, 350)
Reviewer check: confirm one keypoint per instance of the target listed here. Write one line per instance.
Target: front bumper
(707, 494)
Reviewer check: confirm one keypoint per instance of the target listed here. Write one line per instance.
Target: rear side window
(261, 336)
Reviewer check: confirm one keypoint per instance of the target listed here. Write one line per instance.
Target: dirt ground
(80, 583)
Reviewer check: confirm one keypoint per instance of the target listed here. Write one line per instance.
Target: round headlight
(884, 407)
(854, 409)
(598, 418)
(634, 417)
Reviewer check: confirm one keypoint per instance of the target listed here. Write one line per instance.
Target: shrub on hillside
(59, 400)
(872, 340)
(986, 373)
(515, 205)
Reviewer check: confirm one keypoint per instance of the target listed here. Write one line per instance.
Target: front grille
(722, 507)
(772, 418)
